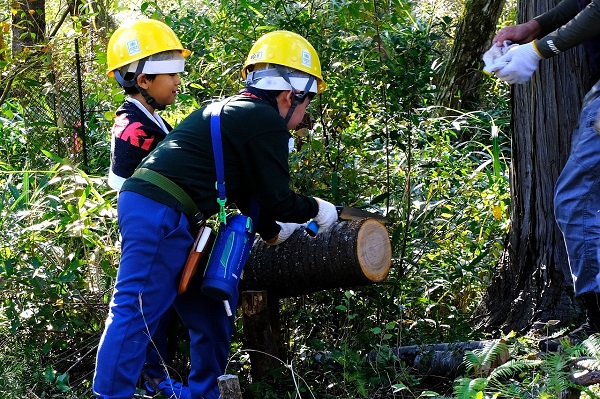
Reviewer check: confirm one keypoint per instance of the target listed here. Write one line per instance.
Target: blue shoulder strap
(217, 144)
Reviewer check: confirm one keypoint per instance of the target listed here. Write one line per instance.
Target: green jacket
(255, 150)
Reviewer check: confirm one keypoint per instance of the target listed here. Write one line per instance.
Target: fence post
(81, 128)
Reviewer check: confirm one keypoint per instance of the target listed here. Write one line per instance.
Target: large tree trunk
(460, 85)
(350, 254)
(533, 282)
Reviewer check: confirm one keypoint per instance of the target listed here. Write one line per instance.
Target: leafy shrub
(57, 262)
(374, 144)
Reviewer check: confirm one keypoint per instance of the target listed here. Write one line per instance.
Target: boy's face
(163, 88)
(299, 112)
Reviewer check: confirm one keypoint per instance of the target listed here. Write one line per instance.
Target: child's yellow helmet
(287, 49)
(140, 39)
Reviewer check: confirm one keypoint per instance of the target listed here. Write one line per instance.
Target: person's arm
(521, 61)
(538, 26)
(265, 157)
(582, 27)
(556, 17)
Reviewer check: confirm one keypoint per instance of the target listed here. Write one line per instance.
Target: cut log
(350, 254)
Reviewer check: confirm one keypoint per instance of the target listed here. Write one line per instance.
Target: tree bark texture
(350, 254)
(460, 85)
(443, 360)
(229, 387)
(533, 281)
(258, 333)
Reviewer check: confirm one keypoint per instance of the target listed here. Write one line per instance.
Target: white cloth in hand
(327, 215)
(287, 229)
(518, 64)
(489, 57)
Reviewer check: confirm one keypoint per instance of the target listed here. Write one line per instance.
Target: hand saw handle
(312, 228)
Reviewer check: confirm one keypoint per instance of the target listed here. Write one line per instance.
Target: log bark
(350, 254)
(447, 360)
(441, 360)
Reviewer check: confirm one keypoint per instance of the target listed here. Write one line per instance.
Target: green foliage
(546, 376)
(374, 144)
(478, 360)
(56, 262)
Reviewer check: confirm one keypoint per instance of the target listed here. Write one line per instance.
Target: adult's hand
(490, 57)
(493, 54)
(522, 33)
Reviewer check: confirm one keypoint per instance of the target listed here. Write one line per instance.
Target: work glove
(489, 57)
(518, 64)
(287, 229)
(327, 215)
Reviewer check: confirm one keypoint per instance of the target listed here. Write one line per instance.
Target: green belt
(170, 187)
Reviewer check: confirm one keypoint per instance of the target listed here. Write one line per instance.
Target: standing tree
(460, 84)
(28, 24)
(533, 281)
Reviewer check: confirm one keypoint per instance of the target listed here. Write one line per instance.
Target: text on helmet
(257, 56)
(306, 59)
(133, 47)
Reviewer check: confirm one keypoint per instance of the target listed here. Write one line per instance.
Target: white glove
(287, 229)
(518, 64)
(495, 52)
(327, 215)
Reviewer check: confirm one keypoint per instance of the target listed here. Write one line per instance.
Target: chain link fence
(62, 104)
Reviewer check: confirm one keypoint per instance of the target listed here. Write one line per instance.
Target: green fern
(468, 388)
(479, 360)
(546, 377)
(514, 367)
(592, 345)
(509, 389)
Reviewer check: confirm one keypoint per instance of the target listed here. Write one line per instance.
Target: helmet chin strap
(298, 98)
(150, 100)
(133, 83)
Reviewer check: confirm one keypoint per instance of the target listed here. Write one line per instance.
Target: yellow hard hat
(140, 39)
(288, 49)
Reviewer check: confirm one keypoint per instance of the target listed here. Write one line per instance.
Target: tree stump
(258, 333)
(349, 254)
(229, 387)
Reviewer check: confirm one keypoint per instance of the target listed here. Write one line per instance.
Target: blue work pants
(577, 202)
(155, 242)
(158, 357)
